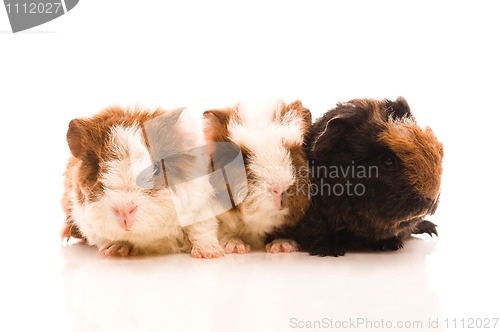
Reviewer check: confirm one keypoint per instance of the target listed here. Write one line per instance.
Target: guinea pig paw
(325, 246)
(282, 245)
(324, 251)
(118, 249)
(207, 251)
(428, 227)
(66, 232)
(69, 230)
(235, 246)
(392, 243)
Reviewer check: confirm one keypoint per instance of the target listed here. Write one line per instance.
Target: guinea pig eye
(388, 161)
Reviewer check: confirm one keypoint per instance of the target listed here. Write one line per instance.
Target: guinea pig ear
(303, 112)
(78, 137)
(331, 131)
(282, 109)
(398, 109)
(216, 122)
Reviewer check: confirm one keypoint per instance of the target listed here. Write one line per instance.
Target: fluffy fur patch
(389, 203)
(420, 152)
(110, 150)
(270, 138)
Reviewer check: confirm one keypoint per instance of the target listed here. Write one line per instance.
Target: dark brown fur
(370, 133)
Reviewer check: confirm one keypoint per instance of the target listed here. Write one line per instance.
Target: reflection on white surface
(255, 292)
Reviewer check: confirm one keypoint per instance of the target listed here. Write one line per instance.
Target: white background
(441, 55)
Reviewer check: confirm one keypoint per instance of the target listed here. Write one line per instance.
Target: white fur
(191, 201)
(398, 124)
(270, 162)
(192, 129)
(132, 158)
(255, 119)
(156, 227)
(265, 138)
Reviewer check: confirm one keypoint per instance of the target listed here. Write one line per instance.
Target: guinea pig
(271, 140)
(375, 175)
(131, 185)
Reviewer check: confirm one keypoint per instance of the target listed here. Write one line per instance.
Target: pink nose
(277, 193)
(125, 215)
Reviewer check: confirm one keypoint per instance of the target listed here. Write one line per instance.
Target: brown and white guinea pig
(118, 196)
(376, 175)
(271, 140)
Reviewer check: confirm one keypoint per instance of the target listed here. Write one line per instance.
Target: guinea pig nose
(277, 189)
(124, 214)
(277, 193)
(126, 210)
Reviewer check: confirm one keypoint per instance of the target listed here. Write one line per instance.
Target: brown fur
(217, 121)
(95, 145)
(88, 137)
(392, 206)
(423, 161)
(299, 203)
(302, 112)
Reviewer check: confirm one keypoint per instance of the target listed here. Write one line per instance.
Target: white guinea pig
(270, 138)
(120, 194)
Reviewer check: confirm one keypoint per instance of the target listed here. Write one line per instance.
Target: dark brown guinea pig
(376, 175)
